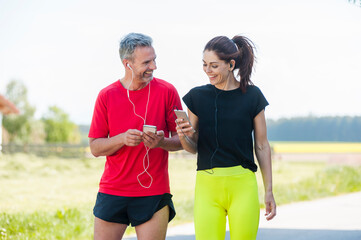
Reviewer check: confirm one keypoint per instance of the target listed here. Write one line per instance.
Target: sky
(308, 52)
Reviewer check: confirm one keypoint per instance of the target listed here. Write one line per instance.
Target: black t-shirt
(225, 125)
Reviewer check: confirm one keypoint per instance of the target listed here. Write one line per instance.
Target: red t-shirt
(114, 114)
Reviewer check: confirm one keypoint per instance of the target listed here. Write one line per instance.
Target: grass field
(52, 198)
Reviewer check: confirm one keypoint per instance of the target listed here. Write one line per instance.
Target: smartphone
(183, 114)
(150, 128)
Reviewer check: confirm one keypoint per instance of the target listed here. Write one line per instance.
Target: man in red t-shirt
(134, 188)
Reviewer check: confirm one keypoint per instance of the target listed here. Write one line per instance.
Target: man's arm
(172, 143)
(108, 146)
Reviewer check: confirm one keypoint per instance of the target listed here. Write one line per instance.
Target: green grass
(330, 181)
(52, 198)
(47, 198)
(59, 224)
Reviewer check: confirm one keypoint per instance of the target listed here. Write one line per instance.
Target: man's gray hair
(130, 41)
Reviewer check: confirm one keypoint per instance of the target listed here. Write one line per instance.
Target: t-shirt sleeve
(260, 102)
(174, 102)
(99, 127)
(188, 100)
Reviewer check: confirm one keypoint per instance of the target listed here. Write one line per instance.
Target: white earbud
(129, 66)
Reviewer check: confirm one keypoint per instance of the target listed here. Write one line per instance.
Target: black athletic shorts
(131, 210)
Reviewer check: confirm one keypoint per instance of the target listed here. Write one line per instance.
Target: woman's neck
(228, 85)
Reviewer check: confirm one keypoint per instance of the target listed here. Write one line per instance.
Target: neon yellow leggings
(229, 191)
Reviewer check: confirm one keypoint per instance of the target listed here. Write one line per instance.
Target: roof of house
(7, 107)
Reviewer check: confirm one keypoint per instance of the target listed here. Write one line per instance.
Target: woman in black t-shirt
(225, 116)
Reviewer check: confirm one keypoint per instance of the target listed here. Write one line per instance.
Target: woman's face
(218, 71)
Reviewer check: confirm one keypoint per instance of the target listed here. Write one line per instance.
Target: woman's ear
(232, 64)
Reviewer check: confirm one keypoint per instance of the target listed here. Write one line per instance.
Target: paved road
(335, 218)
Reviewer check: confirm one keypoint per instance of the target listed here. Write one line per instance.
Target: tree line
(322, 129)
(54, 126)
(339, 129)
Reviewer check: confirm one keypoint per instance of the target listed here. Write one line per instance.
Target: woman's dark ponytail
(245, 60)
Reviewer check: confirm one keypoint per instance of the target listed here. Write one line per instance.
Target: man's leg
(104, 230)
(156, 227)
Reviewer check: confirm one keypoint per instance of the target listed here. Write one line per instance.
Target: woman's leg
(243, 212)
(209, 213)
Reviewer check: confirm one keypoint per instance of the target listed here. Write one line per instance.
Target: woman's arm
(188, 136)
(263, 153)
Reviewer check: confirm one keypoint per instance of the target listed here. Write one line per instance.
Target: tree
(344, 129)
(357, 2)
(19, 126)
(58, 127)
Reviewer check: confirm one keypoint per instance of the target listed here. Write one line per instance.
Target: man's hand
(132, 137)
(152, 140)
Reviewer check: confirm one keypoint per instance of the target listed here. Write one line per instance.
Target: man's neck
(132, 85)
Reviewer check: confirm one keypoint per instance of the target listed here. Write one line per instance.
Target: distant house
(6, 107)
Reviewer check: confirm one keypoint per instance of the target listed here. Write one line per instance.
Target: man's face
(143, 63)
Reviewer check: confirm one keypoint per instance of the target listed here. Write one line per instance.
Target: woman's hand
(270, 205)
(184, 128)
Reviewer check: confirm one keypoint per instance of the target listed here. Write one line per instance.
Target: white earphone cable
(146, 156)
